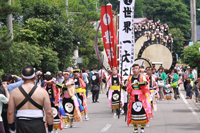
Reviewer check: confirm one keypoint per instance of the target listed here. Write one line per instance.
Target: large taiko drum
(158, 53)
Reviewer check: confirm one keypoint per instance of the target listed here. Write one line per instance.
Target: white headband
(28, 77)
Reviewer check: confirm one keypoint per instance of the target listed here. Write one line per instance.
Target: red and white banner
(108, 34)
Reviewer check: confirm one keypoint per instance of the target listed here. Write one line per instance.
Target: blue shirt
(42, 84)
(157, 75)
(12, 86)
(71, 75)
(90, 75)
(85, 79)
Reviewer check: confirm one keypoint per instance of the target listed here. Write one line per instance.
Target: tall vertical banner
(126, 37)
(108, 34)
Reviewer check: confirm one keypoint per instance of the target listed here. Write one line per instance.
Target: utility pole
(66, 2)
(194, 22)
(9, 22)
(191, 16)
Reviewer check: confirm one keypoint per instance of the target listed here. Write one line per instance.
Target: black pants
(125, 108)
(5, 122)
(185, 83)
(95, 95)
(175, 93)
(31, 126)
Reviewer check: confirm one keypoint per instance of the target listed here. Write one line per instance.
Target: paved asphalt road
(180, 116)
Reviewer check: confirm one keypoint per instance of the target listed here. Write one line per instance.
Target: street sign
(79, 60)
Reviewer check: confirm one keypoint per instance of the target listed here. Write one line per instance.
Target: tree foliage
(190, 54)
(178, 38)
(61, 38)
(20, 55)
(6, 9)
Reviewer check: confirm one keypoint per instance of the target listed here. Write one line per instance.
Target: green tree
(20, 55)
(83, 29)
(38, 33)
(6, 9)
(178, 38)
(190, 54)
(35, 31)
(61, 38)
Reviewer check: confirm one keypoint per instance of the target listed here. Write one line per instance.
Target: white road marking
(106, 128)
(186, 102)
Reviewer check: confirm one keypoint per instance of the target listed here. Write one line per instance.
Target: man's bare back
(29, 107)
(38, 96)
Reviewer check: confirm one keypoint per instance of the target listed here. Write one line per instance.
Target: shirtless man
(29, 101)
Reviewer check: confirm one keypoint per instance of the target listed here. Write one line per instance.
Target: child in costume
(139, 107)
(153, 88)
(54, 94)
(81, 92)
(114, 96)
(70, 102)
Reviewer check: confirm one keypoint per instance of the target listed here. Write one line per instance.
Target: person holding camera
(3, 100)
(8, 78)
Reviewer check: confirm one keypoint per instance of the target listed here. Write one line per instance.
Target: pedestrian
(167, 88)
(175, 79)
(3, 100)
(102, 82)
(197, 91)
(85, 79)
(10, 86)
(59, 77)
(90, 76)
(95, 87)
(43, 82)
(191, 77)
(188, 90)
(163, 78)
(29, 107)
(39, 76)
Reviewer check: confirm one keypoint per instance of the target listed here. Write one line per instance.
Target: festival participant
(138, 108)
(114, 99)
(70, 101)
(153, 88)
(80, 90)
(29, 101)
(142, 70)
(54, 95)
